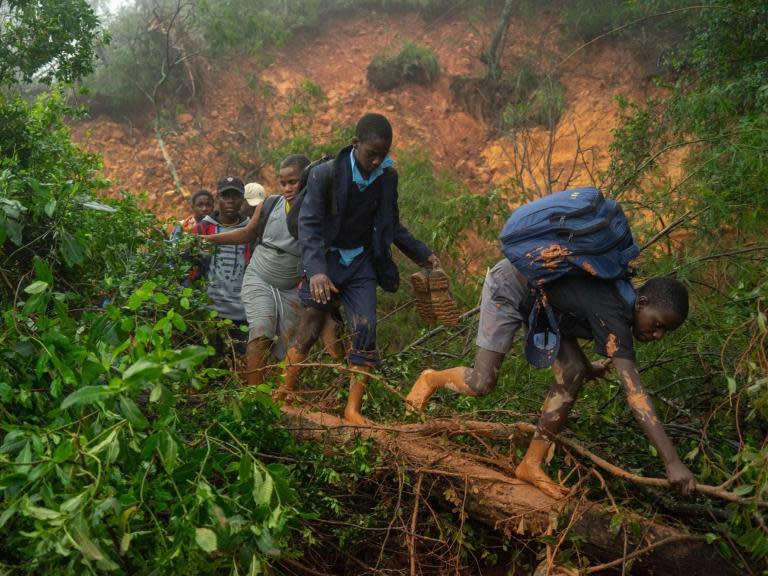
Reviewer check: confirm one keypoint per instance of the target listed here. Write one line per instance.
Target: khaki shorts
(500, 317)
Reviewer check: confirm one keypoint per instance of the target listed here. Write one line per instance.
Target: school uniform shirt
(590, 308)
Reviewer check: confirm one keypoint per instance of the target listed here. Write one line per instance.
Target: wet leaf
(72, 504)
(71, 249)
(142, 367)
(168, 450)
(206, 539)
(42, 513)
(37, 287)
(743, 490)
(132, 413)
(87, 395)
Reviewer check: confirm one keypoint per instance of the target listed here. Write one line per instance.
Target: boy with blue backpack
(565, 276)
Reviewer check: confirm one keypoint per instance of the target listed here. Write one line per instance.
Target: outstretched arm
(678, 474)
(242, 235)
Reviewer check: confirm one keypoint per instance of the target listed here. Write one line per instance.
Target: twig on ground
(439, 329)
(414, 517)
(640, 552)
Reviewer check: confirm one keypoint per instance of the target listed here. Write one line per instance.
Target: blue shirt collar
(357, 177)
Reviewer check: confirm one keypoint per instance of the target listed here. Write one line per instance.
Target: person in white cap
(254, 195)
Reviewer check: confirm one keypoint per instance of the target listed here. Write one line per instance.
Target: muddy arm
(678, 474)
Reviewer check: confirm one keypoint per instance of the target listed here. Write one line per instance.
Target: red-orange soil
(222, 135)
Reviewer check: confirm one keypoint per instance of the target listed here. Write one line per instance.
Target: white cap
(254, 193)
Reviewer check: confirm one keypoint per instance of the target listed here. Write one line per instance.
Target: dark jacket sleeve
(406, 242)
(311, 219)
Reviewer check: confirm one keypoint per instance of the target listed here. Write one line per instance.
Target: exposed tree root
(512, 506)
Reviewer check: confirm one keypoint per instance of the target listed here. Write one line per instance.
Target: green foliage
(114, 455)
(438, 208)
(251, 26)
(44, 186)
(715, 120)
(543, 106)
(528, 97)
(47, 40)
(255, 26)
(413, 64)
(585, 20)
(301, 108)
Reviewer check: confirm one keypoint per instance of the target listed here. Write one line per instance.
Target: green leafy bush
(542, 106)
(412, 65)
(254, 26)
(587, 19)
(46, 40)
(123, 447)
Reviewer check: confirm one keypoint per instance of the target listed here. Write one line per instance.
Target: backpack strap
(266, 209)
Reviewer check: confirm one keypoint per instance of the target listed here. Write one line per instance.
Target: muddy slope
(244, 103)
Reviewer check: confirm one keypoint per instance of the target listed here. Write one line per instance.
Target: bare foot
(421, 392)
(356, 418)
(536, 476)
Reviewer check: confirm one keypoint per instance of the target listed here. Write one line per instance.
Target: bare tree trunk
(505, 503)
(493, 56)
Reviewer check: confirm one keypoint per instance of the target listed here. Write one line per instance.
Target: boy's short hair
(667, 293)
(373, 126)
(298, 161)
(201, 192)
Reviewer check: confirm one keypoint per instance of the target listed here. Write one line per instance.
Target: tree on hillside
(492, 56)
(46, 40)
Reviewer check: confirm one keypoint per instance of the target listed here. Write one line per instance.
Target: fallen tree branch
(505, 503)
(643, 480)
(458, 426)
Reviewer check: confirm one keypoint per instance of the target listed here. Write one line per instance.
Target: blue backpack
(574, 231)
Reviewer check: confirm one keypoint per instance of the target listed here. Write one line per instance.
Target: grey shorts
(272, 313)
(500, 318)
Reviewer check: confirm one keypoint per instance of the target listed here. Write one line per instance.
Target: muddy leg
(570, 370)
(256, 358)
(333, 339)
(355, 401)
(477, 381)
(309, 331)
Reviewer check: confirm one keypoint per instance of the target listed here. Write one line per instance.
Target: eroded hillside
(245, 106)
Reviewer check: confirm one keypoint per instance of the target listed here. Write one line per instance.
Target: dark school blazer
(321, 219)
